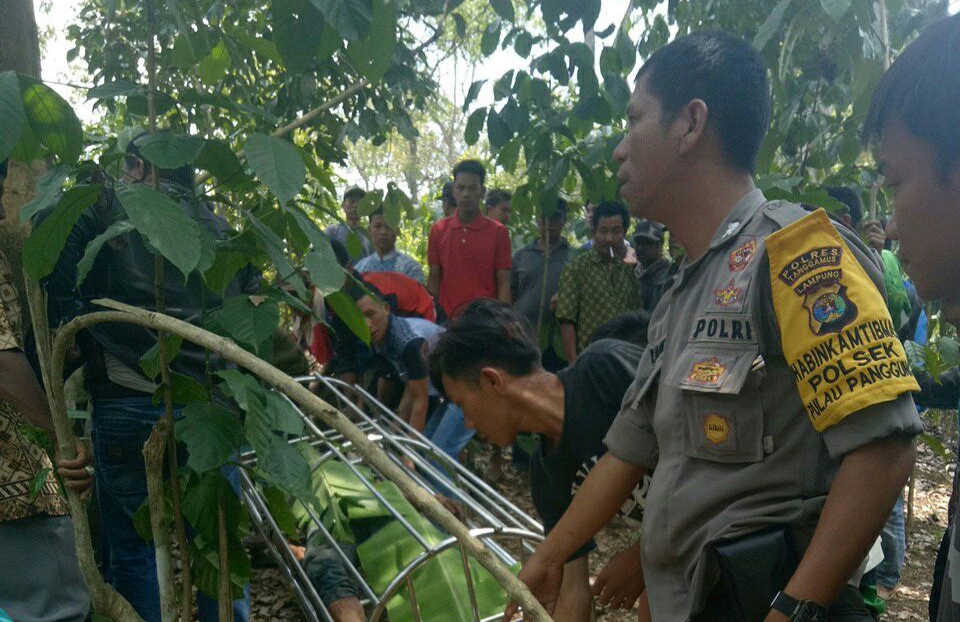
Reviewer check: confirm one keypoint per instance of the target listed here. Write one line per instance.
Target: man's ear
(492, 378)
(691, 124)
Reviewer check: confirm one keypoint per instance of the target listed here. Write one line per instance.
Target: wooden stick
(312, 405)
(153, 452)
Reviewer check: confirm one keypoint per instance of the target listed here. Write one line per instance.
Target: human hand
(554, 300)
(543, 577)
(619, 584)
(873, 231)
(776, 616)
(77, 473)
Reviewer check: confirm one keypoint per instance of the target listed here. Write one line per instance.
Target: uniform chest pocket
(722, 412)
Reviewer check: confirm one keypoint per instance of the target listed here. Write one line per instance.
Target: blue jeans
(447, 429)
(120, 428)
(893, 541)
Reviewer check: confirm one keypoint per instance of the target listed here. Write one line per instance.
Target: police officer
(773, 397)
(654, 268)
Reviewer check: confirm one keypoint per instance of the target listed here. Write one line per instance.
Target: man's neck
(540, 398)
(554, 242)
(468, 216)
(381, 254)
(706, 202)
(353, 224)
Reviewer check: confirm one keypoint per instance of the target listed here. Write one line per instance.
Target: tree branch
(153, 452)
(311, 404)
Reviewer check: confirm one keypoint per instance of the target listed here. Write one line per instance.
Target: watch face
(810, 612)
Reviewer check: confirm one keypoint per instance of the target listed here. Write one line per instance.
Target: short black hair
(727, 73)
(497, 196)
(488, 333)
(630, 326)
(922, 90)
(182, 175)
(606, 209)
(354, 194)
(851, 198)
(558, 213)
(471, 166)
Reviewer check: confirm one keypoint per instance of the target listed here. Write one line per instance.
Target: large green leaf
(298, 29)
(474, 123)
(110, 90)
(183, 390)
(249, 320)
(212, 434)
(214, 65)
(490, 38)
(164, 224)
(278, 164)
(52, 120)
(836, 8)
(350, 314)
(48, 187)
(150, 361)
(219, 160)
(373, 54)
(325, 272)
(350, 18)
(225, 266)
(96, 245)
(274, 248)
(504, 9)
(42, 249)
(371, 202)
(170, 150)
(771, 25)
(498, 132)
(11, 111)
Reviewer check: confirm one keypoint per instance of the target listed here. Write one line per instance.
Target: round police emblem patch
(829, 307)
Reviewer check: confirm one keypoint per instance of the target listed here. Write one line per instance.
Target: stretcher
(509, 532)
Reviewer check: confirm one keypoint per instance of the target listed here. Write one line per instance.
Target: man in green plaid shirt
(598, 285)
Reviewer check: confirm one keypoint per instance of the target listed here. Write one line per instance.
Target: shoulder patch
(835, 329)
(783, 213)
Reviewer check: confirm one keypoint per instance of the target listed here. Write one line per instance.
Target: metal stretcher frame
(491, 517)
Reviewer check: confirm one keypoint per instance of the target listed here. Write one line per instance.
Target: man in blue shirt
(386, 257)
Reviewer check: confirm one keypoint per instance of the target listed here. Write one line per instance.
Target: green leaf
(392, 205)
(278, 164)
(48, 187)
(249, 320)
(298, 28)
(183, 54)
(498, 132)
(42, 249)
(325, 272)
(949, 351)
(373, 54)
(349, 314)
(214, 65)
(164, 224)
(472, 93)
(184, 389)
(212, 433)
(11, 111)
(52, 120)
(836, 8)
(371, 202)
(274, 248)
(490, 39)
(219, 160)
(169, 150)
(278, 462)
(205, 565)
(280, 415)
(771, 25)
(279, 508)
(850, 149)
(509, 154)
(472, 132)
(504, 9)
(96, 245)
(111, 90)
(150, 361)
(225, 267)
(523, 44)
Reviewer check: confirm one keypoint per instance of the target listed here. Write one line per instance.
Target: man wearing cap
(350, 233)
(654, 269)
(773, 399)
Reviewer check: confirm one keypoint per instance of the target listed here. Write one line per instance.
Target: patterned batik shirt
(20, 460)
(593, 291)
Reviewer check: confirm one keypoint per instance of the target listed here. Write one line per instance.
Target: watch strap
(785, 604)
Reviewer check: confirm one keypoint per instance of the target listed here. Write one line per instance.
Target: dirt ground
(273, 601)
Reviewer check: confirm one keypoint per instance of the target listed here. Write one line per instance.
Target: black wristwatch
(798, 610)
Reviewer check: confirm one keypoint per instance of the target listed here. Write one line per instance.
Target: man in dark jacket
(123, 409)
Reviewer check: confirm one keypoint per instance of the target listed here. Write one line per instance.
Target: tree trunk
(20, 52)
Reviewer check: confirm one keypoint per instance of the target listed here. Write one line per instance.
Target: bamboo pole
(311, 404)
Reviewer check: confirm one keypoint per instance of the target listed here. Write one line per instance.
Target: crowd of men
(745, 400)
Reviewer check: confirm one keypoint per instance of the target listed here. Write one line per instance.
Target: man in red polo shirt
(468, 253)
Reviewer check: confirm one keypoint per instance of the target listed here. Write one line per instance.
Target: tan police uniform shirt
(771, 357)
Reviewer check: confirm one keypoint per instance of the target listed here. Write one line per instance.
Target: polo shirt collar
(477, 223)
(388, 256)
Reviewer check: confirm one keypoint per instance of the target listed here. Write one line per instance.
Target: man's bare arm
(433, 281)
(855, 512)
(503, 286)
